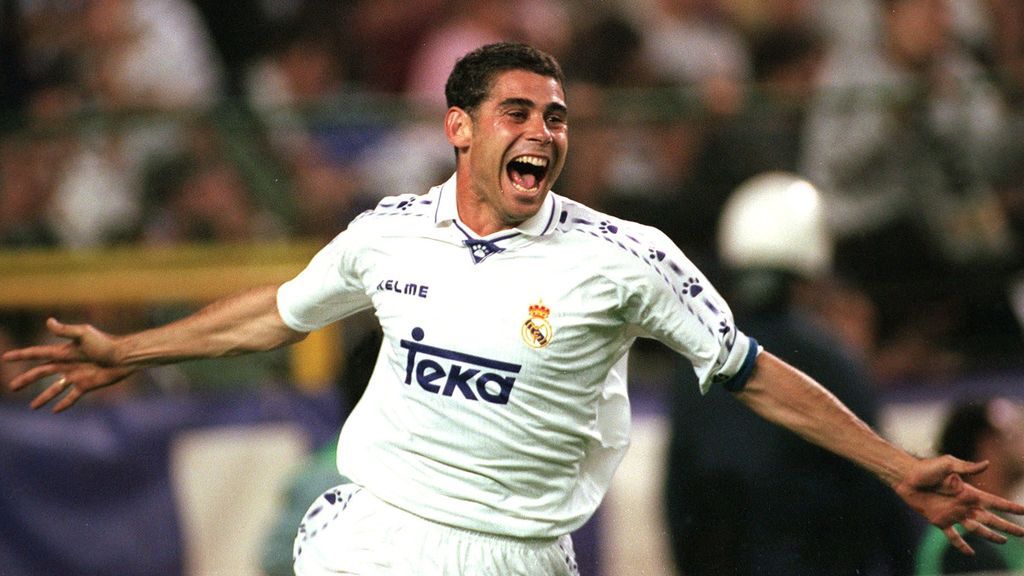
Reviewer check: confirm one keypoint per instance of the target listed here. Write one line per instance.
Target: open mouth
(527, 172)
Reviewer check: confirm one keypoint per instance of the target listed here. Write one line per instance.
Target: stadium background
(155, 154)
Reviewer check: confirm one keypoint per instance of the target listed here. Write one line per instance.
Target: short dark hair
(471, 78)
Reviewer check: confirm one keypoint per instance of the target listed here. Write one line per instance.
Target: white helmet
(776, 220)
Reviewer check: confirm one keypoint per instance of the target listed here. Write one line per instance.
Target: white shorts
(349, 531)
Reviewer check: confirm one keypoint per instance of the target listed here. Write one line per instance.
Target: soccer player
(497, 411)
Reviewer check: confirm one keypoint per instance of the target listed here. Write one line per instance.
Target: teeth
(534, 160)
(521, 189)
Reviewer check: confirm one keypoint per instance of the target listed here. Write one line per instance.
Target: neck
(475, 211)
(479, 217)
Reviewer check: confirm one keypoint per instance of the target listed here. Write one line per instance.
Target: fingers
(984, 524)
(45, 353)
(74, 393)
(965, 468)
(69, 331)
(76, 380)
(957, 541)
(993, 502)
(33, 374)
(63, 352)
(51, 392)
(999, 523)
(985, 532)
(951, 485)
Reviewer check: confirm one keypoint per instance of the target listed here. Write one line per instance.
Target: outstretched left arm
(934, 487)
(88, 358)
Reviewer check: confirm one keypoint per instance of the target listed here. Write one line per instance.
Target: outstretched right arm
(90, 358)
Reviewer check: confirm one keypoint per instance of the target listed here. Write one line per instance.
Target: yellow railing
(45, 279)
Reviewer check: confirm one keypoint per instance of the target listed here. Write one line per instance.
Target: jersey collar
(540, 224)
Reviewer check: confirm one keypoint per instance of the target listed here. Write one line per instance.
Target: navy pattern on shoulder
(657, 253)
(403, 205)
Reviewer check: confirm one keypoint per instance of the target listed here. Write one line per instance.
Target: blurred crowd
(162, 122)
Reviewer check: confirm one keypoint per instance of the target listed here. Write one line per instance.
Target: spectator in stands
(464, 25)
(303, 93)
(25, 187)
(607, 56)
(1006, 175)
(895, 139)
(636, 133)
(756, 17)
(727, 470)
(151, 56)
(692, 44)
(993, 30)
(991, 430)
(202, 198)
(385, 35)
(765, 134)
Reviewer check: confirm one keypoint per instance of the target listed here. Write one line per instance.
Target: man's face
(512, 150)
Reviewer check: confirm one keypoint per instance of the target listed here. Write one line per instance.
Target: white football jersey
(498, 402)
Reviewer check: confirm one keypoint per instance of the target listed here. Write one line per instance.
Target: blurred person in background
(201, 198)
(693, 44)
(993, 31)
(640, 135)
(145, 54)
(729, 471)
(25, 188)
(1006, 176)
(385, 35)
(84, 60)
(307, 103)
(755, 17)
(605, 57)
(989, 430)
(764, 135)
(462, 25)
(896, 138)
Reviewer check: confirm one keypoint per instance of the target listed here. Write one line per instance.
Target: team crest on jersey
(537, 331)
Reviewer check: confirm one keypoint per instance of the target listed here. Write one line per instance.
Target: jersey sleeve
(328, 289)
(675, 303)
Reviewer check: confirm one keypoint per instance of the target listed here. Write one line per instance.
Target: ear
(458, 127)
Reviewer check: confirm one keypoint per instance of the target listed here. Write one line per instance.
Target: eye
(518, 114)
(555, 119)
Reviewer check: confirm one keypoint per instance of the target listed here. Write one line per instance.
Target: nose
(538, 130)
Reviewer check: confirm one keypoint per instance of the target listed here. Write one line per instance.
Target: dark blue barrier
(88, 492)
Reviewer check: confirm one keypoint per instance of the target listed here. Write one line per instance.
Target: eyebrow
(527, 103)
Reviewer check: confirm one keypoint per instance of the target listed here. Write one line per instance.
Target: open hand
(83, 343)
(935, 488)
(84, 362)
